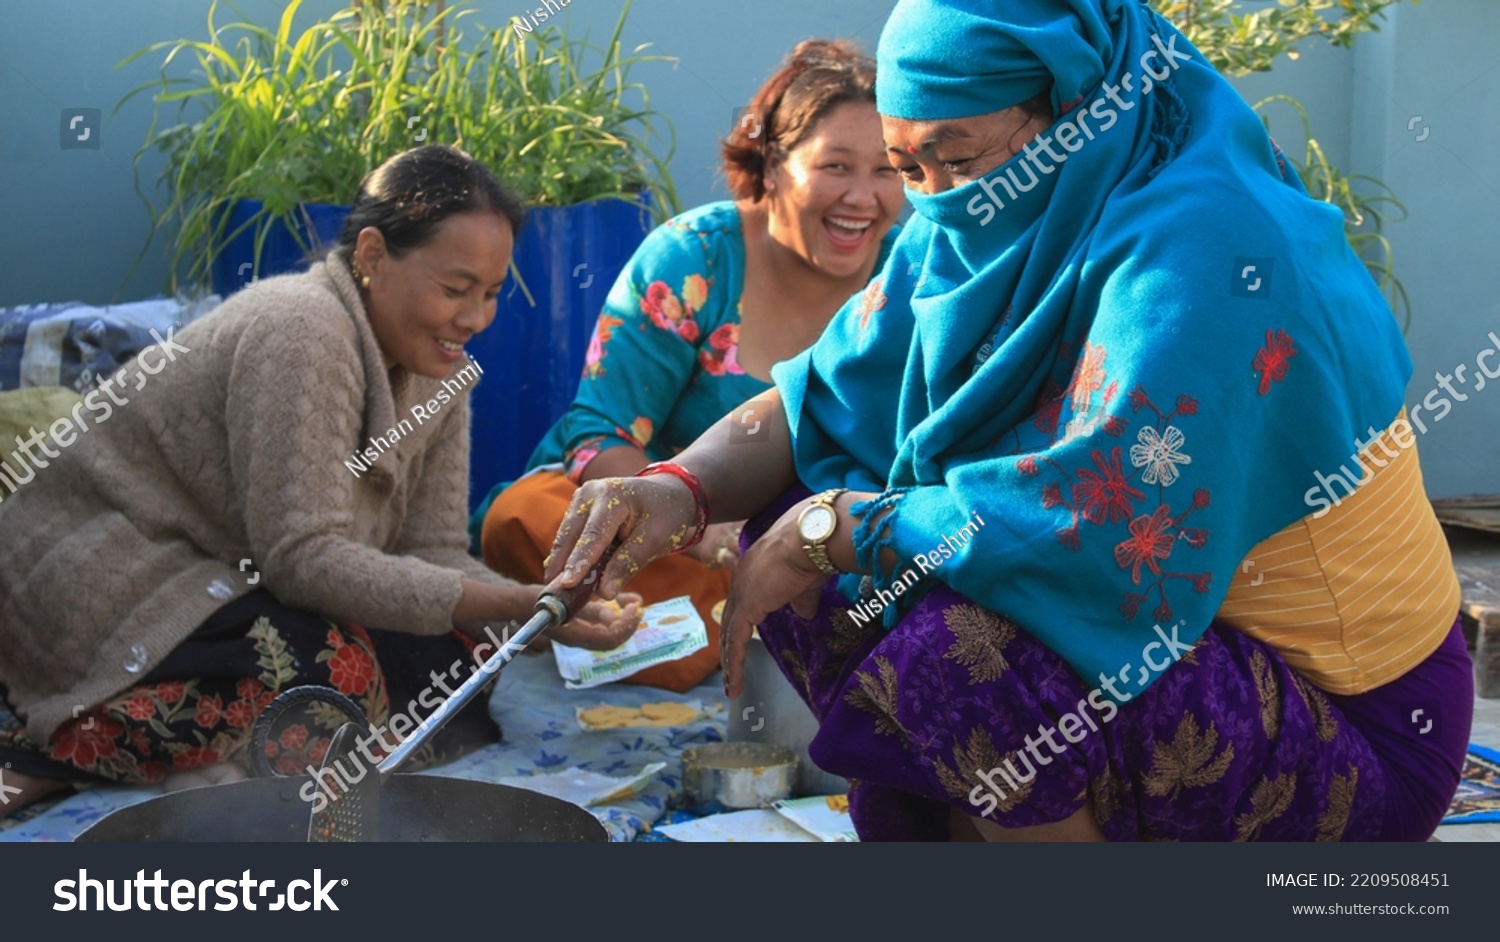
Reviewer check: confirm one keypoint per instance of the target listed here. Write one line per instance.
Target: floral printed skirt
(957, 707)
(199, 706)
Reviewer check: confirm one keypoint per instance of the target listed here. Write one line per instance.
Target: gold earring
(364, 281)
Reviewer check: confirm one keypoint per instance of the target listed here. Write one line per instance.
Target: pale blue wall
(1437, 61)
(1434, 61)
(72, 224)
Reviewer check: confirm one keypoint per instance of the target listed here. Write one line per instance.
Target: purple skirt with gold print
(959, 708)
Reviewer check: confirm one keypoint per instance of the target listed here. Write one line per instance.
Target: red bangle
(700, 496)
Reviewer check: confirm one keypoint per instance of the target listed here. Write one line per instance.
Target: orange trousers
(518, 533)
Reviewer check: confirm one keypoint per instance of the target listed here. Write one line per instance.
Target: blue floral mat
(542, 736)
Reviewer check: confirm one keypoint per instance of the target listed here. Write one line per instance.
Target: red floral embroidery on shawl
(1107, 494)
(1271, 360)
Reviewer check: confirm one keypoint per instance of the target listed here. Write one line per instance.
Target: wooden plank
(1476, 559)
(1476, 512)
(1481, 588)
(1487, 656)
(1468, 500)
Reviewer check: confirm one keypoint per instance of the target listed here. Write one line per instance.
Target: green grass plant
(290, 116)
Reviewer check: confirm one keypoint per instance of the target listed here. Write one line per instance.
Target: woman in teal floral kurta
(663, 364)
(815, 204)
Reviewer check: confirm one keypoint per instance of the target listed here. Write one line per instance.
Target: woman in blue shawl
(1071, 573)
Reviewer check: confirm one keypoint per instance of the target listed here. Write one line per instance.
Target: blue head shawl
(1087, 384)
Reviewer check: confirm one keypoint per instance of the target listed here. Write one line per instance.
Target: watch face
(817, 523)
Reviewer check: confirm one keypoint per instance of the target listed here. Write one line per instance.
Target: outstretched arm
(743, 463)
(656, 516)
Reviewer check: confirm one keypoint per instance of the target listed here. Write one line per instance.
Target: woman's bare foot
(32, 789)
(217, 774)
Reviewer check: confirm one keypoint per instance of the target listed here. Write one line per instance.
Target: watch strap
(818, 553)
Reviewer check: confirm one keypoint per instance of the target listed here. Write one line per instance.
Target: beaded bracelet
(700, 497)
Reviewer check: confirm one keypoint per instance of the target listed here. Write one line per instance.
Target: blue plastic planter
(319, 226)
(532, 357)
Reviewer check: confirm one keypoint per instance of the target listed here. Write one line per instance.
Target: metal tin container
(770, 711)
(736, 775)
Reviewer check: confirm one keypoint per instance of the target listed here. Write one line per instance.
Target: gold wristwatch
(816, 524)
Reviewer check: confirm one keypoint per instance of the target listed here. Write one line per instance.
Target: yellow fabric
(22, 410)
(1356, 597)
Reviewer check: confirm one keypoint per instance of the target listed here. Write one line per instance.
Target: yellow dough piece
(650, 714)
(609, 717)
(668, 713)
(718, 611)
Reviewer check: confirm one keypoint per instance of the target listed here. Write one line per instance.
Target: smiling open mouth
(847, 232)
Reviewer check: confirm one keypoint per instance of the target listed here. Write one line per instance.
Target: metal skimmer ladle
(354, 813)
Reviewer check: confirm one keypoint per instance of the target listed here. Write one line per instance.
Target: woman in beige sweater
(281, 501)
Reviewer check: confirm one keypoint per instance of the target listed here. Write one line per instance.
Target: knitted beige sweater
(235, 450)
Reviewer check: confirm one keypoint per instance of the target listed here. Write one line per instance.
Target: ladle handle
(552, 609)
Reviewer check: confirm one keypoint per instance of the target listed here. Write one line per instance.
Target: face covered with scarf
(936, 156)
(1116, 328)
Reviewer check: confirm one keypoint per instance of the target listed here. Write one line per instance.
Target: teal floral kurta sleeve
(663, 362)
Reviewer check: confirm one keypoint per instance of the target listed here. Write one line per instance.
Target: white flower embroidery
(1159, 454)
(1080, 427)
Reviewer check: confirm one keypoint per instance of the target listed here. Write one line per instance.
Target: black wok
(412, 808)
